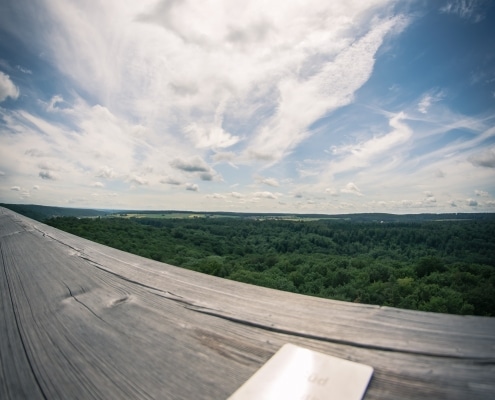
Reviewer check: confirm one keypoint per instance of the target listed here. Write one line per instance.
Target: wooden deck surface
(79, 320)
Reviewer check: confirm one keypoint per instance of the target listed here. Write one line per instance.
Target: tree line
(441, 266)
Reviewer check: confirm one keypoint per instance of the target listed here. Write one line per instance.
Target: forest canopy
(442, 266)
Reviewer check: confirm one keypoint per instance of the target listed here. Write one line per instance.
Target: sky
(287, 106)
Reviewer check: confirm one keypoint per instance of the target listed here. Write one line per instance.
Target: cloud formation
(7, 88)
(46, 174)
(170, 181)
(351, 188)
(305, 99)
(194, 164)
(472, 10)
(364, 153)
(266, 195)
(192, 187)
(267, 181)
(138, 104)
(485, 158)
(428, 100)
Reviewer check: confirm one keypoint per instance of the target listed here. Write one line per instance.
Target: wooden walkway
(79, 320)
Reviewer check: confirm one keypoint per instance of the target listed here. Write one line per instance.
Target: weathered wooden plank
(81, 320)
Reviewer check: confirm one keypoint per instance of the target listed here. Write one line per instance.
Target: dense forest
(442, 266)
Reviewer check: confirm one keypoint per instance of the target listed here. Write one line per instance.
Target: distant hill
(358, 217)
(41, 213)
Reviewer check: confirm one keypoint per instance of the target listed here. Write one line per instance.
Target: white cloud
(471, 202)
(98, 185)
(439, 173)
(170, 181)
(24, 70)
(7, 88)
(207, 176)
(184, 73)
(15, 188)
(216, 196)
(351, 188)
(267, 181)
(378, 145)
(376, 150)
(430, 200)
(481, 193)
(224, 156)
(35, 153)
(424, 104)
(484, 158)
(305, 99)
(265, 195)
(106, 172)
(194, 164)
(433, 96)
(331, 191)
(137, 180)
(98, 143)
(54, 101)
(209, 136)
(47, 174)
(179, 93)
(472, 10)
(174, 78)
(49, 165)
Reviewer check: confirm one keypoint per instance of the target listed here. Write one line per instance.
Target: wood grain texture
(80, 320)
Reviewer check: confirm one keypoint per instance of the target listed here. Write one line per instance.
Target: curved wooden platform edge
(80, 320)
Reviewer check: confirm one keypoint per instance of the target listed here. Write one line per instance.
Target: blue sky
(282, 106)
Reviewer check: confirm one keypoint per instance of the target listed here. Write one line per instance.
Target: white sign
(295, 373)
